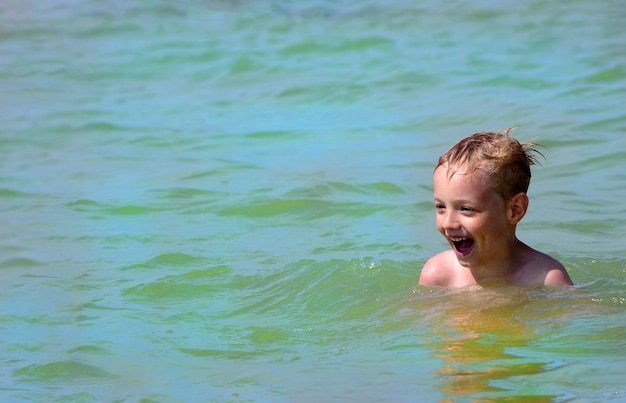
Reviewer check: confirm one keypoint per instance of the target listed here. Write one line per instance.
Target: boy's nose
(450, 221)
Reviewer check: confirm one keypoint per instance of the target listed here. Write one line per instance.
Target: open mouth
(463, 246)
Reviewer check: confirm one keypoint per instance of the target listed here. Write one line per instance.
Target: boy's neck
(502, 268)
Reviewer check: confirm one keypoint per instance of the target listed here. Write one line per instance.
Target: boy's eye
(467, 209)
(440, 207)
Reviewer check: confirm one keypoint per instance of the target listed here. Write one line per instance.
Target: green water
(231, 201)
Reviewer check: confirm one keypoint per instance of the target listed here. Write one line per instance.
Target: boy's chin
(465, 262)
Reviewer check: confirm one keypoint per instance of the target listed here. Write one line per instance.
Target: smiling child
(480, 187)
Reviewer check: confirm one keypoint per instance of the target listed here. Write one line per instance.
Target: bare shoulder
(551, 270)
(438, 270)
(556, 274)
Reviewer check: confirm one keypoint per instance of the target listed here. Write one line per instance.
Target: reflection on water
(483, 338)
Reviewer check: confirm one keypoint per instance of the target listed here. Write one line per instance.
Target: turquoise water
(231, 201)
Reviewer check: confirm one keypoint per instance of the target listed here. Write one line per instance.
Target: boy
(480, 187)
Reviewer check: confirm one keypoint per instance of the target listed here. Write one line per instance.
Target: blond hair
(503, 158)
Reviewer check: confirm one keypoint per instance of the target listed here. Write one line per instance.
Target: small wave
(175, 259)
(217, 353)
(308, 209)
(608, 75)
(85, 205)
(20, 262)
(273, 135)
(182, 193)
(192, 285)
(341, 188)
(99, 307)
(166, 289)
(324, 288)
(11, 194)
(61, 371)
(89, 349)
(101, 127)
(129, 210)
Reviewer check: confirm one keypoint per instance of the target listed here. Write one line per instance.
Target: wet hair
(503, 158)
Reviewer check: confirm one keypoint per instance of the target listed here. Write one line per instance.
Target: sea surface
(229, 201)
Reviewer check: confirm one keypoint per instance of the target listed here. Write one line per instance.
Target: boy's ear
(518, 205)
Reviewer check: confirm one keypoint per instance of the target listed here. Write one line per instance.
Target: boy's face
(472, 217)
